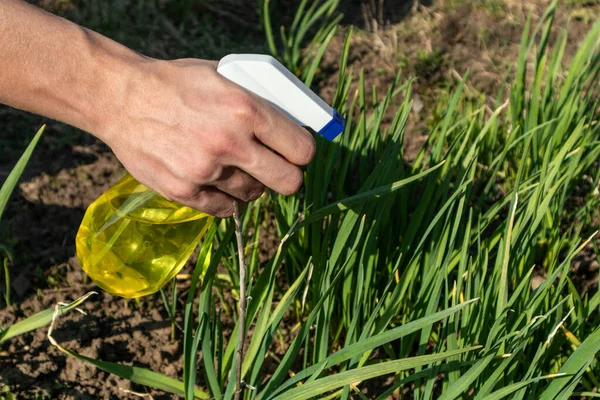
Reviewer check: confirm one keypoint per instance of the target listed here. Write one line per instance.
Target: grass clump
(489, 208)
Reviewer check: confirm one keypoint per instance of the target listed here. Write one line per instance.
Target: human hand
(179, 127)
(199, 139)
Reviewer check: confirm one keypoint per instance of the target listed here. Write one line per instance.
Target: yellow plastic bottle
(132, 240)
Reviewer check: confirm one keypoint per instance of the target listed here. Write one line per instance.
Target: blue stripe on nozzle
(333, 127)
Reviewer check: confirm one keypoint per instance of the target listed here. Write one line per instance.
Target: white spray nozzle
(269, 79)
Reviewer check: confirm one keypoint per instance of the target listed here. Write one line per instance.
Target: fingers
(239, 184)
(274, 171)
(263, 126)
(213, 201)
(286, 137)
(207, 199)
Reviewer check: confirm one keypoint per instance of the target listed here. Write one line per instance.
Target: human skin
(177, 126)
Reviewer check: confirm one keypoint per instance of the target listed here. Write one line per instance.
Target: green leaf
(9, 185)
(363, 197)
(141, 376)
(38, 320)
(573, 368)
(320, 386)
(509, 389)
(362, 346)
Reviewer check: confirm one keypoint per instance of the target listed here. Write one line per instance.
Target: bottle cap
(269, 79)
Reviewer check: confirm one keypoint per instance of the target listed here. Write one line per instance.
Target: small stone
(536, 281)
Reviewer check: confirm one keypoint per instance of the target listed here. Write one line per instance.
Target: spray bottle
(132, 240)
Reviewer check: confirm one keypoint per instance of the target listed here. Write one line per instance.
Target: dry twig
(242, 320)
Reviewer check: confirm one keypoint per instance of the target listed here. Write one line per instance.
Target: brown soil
(113, 330)
(436, 44)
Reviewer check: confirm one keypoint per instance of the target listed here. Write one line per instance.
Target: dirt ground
(435, 42)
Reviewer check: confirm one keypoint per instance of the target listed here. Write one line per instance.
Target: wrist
(114, 71)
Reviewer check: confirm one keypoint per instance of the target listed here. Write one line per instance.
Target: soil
(113, 330)
(437, 43)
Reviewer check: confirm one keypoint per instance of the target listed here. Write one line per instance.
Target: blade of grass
(9, 185)
(320, 386)
(40, 319)
(137, 375)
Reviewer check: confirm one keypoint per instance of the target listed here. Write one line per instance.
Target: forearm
(56, 68)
